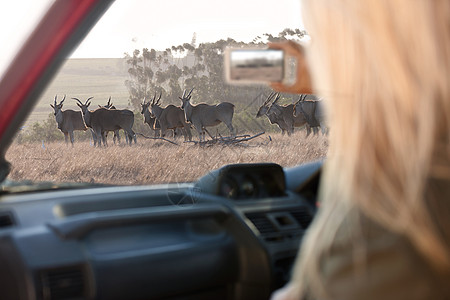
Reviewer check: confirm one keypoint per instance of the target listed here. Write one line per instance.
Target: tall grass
(153, 161)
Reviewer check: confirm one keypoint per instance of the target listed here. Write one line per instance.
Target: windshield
(140, 58)
(17, 23)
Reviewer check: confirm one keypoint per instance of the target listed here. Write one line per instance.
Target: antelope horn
(85, 103)
(190, 93)
(276, 98)
(298, 101)
(56, 96)
(153, 99)
(109, 100)
(157, 101)
(301, 98)
(184, 93)
(78, 100)
(269, 98)
(62, 100)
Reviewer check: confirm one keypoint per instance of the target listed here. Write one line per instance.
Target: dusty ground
(153, 161)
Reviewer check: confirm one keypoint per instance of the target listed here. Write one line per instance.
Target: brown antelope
(109, 105)
(313, 112)
(287, 114)
(204, 115)
(68, 120)
(170, 117)
(273, 118)
(149, 120)
(103, 119)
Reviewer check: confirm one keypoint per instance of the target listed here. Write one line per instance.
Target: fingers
(289, 47)
(288, 292)
(302, 84)
(281, 87)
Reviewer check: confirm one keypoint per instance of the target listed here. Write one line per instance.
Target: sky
(157, 24)
(132, 24)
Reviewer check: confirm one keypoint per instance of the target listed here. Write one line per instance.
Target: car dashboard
(233, 234)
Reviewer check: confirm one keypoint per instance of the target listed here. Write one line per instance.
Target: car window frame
(62, 28)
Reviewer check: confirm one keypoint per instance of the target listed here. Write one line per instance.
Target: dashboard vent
(303, 217)
(62, 284)
(261, 222)
(278, 226)
(6, 219)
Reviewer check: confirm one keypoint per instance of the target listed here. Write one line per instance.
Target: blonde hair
(383, 66)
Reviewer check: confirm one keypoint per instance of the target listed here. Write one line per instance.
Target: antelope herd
(307, 112)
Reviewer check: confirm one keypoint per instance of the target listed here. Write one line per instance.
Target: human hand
(302, 84)
(288, 292)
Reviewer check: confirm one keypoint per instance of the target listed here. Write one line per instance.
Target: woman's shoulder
(367, 261)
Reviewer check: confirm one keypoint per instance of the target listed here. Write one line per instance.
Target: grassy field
(153, 161)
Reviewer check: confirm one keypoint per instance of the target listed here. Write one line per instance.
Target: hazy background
(131, 24)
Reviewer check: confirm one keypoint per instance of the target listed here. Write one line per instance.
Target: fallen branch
(157, 138)
(226, 141)
(247, 138)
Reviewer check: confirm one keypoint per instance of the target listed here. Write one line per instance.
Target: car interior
(232, 234)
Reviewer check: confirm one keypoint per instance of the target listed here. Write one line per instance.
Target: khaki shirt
(380, 265)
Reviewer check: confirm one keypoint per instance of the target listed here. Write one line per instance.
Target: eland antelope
(204, 115)
(170, 117)
(68, 120)
(103, 119)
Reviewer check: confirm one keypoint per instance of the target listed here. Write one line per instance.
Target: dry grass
(152, 161)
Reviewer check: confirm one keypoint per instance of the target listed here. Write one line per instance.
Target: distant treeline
(193, 66)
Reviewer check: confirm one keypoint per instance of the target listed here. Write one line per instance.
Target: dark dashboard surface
(173, 241)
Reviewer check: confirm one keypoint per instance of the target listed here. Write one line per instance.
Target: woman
(383, 229)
